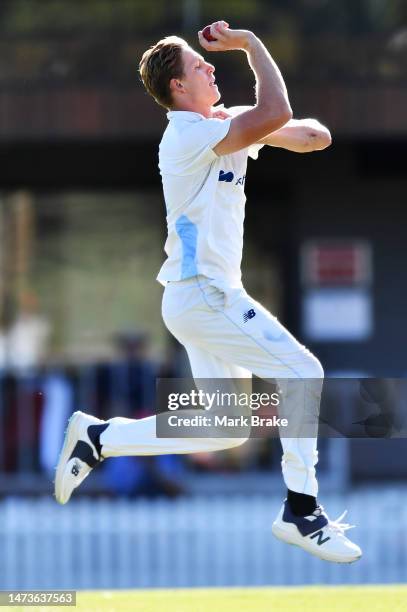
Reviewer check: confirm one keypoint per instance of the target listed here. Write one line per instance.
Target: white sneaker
(79, 454)
(317, 534)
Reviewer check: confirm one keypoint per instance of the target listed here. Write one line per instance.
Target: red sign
(333, 263)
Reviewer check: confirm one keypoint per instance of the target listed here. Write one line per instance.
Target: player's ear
(176, 85)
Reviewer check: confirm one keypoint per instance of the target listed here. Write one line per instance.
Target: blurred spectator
(57, 407)
(22, 404)
(28, 336)
(126, 386)
(128, 390)
(3, 349)
(150, 476)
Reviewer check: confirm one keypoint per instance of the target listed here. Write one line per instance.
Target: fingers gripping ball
(206, 33)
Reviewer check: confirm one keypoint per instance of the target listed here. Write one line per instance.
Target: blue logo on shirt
(226, 176)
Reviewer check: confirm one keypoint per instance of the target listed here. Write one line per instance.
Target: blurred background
(82, 227)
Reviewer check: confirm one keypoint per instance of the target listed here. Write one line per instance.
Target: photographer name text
(226, 421)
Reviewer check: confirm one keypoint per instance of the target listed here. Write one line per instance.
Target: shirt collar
(184, 116)
(189, 115)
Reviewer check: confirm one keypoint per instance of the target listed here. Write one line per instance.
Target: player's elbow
(324, 140)
(316, 141)
(286, 115)
(277, 115)
(283, 115)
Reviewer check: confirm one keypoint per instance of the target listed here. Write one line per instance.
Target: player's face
(199, 79)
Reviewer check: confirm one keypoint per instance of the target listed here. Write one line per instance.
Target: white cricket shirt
(204, 197)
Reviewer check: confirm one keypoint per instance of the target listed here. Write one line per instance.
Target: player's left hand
(219, 114)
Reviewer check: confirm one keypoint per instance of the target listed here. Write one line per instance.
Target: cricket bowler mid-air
(227, 334)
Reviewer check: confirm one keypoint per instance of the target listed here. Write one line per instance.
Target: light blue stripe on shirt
(188, 233)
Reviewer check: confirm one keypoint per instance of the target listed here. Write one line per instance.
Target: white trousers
(224, 339)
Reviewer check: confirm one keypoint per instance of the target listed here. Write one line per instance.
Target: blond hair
(161, 63)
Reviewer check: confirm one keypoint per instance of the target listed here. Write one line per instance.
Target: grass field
(312, 599)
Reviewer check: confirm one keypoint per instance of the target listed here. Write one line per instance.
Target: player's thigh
(214, 375)
(206, 365)
(233, 327)
(184, 310)
(245, 333)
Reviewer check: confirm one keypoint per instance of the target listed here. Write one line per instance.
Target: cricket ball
(206, 33)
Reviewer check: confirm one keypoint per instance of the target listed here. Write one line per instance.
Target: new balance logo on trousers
(249, 314)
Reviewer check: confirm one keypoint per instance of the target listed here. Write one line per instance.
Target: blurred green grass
(313, 599)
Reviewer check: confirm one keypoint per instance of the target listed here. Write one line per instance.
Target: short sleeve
(254, 150)
(195, 144)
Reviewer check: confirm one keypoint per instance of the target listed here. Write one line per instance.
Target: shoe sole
(286, 537)
(70, 441)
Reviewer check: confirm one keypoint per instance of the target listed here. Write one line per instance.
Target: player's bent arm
(272, 109)
(250, 127)
(300, 136)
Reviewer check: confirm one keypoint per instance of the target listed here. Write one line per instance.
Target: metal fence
(193, 541)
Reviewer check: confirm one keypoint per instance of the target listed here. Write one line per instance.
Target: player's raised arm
(272, 109)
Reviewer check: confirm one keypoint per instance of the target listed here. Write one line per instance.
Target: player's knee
(240, 441)
(228, 443)
(300, 460)
(313, 367)
(319, 370)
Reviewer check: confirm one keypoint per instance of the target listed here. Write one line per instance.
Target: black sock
(301, 504)
(94, 433)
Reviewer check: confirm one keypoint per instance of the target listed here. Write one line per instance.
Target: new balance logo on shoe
(80, 453)
(320, 535)
(249, 315)
(317, 534)
(75, 470)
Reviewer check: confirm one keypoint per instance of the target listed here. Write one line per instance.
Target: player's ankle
(94, 433)
(301, 504)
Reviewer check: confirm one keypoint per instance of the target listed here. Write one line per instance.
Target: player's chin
(216, 95)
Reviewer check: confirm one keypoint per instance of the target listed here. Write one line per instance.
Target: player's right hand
(226, 39)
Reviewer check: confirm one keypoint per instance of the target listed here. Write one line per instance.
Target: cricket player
(202, 159)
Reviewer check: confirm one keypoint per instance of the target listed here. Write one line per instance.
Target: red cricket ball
(206, 33)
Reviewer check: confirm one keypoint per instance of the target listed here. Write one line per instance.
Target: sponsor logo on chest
(229, 177)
